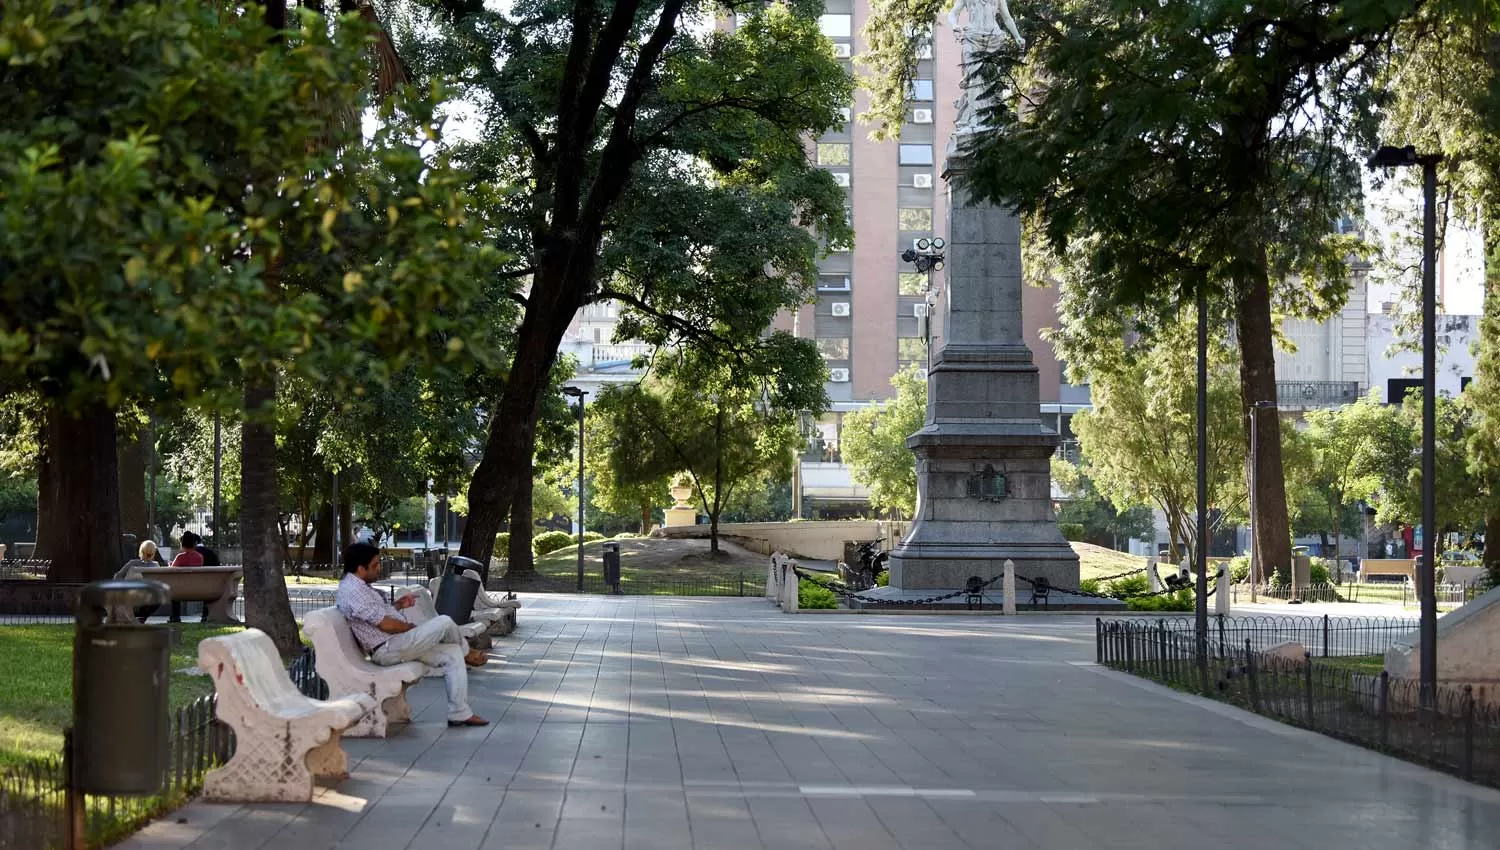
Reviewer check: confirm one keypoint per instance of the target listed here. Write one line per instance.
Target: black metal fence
(14, 568)
(1338, 692)
(33, 795)
(642, 584)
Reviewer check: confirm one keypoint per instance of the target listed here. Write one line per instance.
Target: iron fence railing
(642, 584)
(1295, 394)
(33, 794)
(28, 568)
(1449, 595)
(1337, 694)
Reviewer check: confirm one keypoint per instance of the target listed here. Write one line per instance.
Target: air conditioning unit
(924, 52)
(846, 113)
(841, 178)
(841, 51)
(838, 376)
(920, 310)
(840, 308)
(921, 181)
(921, 116)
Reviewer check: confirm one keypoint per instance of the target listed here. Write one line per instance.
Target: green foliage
(1182, 600)
(1071, 530)
(810, 594)
(502, 542)
(213, 158)
(1102, 523)
(588, 537)
(873, 443)
(883, 579)
(17, 495)
(1123, 588)
(1239, 569)
(1140, 438)
(1089, 585)
(551, 541)
(1318, 572)
(627, 535)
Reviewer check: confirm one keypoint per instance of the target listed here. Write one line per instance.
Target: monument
(984, 482)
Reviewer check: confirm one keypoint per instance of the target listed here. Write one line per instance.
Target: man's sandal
(474, 720)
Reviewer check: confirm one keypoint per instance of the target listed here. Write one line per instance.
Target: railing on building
(617, 352)
(1301, 395)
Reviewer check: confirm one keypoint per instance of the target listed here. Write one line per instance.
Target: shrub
(1182, 600)
(810, 594)
(626, 535)
(884, 579)
(550, 541)
(1239, 569)
(588, 537)
(1089, 585)
(1318, 572)
(1072, 531)
(502, 544)
(1128, 586)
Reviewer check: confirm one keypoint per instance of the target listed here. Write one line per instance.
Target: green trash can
(120, 672)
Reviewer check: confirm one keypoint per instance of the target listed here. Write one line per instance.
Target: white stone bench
(282, 739)
(493, 609)
(343, 665)
(216, 586)
(474, 631)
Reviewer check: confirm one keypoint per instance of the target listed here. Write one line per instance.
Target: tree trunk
(1272, 531)
(83, 468)
(1491, 554)
(346, 520)
(266, 605)
(132, 460)
(521, 561)
(323, 535)
(47, 516)
(508, 449)
(645, 518)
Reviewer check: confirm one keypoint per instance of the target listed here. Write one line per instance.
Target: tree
(1141, 441)
(239, 235)
(725, 426)
(1325, 464)
(873, 443)
(1103, 523)
(664, 168)
(1245, 120)
(608, 426)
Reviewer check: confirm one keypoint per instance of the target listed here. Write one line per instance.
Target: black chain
(1103, 579)
(848, 594)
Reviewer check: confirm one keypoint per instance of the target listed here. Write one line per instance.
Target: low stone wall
(817, 540)
(1468, 648)
(37, 598)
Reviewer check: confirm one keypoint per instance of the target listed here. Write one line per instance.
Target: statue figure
(979, 35)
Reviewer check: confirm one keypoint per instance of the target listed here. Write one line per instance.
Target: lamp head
(1390, 156)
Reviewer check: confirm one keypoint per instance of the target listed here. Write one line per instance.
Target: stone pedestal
(682, 511)
(984, 457)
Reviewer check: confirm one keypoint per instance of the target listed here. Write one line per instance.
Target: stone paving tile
(693, 724)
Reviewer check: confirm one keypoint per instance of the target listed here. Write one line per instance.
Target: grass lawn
(1095, 561)
(1371, 664)
(654, 565)
(36, 664)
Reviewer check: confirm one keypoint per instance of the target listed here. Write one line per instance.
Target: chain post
(1469, 732)
(1325, 636)
(1307, 677)
(1385, 708)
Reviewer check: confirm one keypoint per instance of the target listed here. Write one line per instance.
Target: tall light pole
(1255, 410)
(218, 481)
(1200, 609)
(1393, 157)
(927, 257)
(574, 392)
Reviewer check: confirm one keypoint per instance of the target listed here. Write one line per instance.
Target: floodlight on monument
(909, 256)
(938, 243)
(937, 264)
(924, 243)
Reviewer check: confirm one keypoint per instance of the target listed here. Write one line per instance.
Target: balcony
(1306, 395)
(618, 353)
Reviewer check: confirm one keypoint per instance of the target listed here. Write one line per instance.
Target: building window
(836, 26)
(921, 90)
(912, 283)
(909, 348)
(833, 283)
(914, 154)
(831, 153)
(913, 218)
(834, 347)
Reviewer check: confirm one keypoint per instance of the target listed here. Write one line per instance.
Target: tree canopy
(873, 443)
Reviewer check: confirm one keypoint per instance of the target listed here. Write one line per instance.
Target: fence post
(1325, 635)
(742, 584)
(1223, 648)
(1098, 640)
(1254, 682)
(1385, 708)
(75, 829)
(1307, 686)
(1130, 648)
(1161, 649)
(1469, 732)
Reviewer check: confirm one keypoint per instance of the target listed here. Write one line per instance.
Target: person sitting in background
(189, 556)
(145, 557)
(380, 630)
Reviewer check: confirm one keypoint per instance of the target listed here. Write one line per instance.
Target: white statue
(978, 35)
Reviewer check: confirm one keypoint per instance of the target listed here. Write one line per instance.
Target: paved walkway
(670, 723)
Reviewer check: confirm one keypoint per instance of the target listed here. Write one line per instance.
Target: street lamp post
(1200, 607)
(1393, 157)
(574, 392)
(1255, 410)
(927, 257)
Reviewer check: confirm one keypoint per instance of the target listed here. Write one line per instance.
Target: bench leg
(328, 760)
(261, 773)
(219, 610)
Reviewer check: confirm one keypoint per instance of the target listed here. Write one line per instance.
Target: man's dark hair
(359, 555)
(190, 540)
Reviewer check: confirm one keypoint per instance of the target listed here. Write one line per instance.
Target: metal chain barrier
(1103, 579)
(848, 594)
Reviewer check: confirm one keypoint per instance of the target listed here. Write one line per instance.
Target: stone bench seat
(283, 739)
(216, 586)
(344, 666)
(496, 610)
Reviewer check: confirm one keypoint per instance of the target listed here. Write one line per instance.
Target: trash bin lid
(611, 547)
(459, 563)
(129, 591)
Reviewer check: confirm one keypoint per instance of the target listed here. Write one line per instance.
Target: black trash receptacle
(612, 566)
(120, 671)
(457, 593)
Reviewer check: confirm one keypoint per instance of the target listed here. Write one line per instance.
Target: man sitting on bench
(378, 627)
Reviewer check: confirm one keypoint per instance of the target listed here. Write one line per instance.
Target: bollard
(772, 587)
(1153, 579)
(1221, 594)
(1008, 587)
(789, 596)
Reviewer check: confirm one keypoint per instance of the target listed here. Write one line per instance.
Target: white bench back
(329, 630)
(252, 657)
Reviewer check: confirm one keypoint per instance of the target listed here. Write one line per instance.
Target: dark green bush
(588, 537)
(1182, 600)
(1072, 531)
(1239, 569)
(1318, 572)
(1089, 585)
(810, 594)
(1134, 585)
(884, 579)
(502, 544)
(551, 541)
(626, 535)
